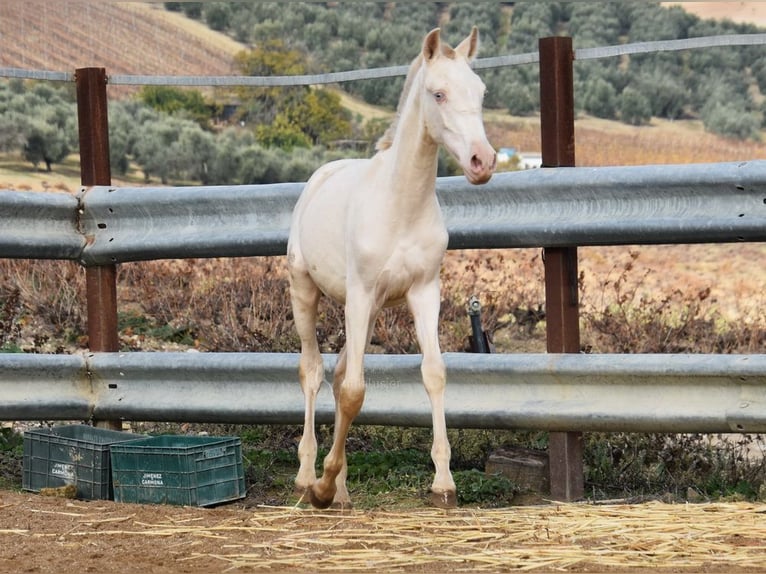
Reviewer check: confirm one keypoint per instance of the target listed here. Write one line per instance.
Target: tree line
(712, 84)
(170, 134)
(177, 135)
(40, 121)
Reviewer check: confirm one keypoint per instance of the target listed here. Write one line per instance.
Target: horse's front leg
(423, 301)
(348, 388)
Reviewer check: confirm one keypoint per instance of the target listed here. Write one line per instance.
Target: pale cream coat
(369, 233)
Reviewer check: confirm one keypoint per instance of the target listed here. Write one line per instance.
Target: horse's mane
(387, 139)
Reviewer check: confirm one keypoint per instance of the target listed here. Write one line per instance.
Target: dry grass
(560, 537)
(557, 537)
(660, 299)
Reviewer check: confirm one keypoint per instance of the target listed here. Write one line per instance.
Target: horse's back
(329, 190)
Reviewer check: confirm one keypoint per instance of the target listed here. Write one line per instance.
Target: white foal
(369, 233)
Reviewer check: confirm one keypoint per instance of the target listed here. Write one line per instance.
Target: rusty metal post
(561, 288)
(101, 281)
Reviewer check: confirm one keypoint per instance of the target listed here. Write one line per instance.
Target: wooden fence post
(101, 280)
(561, 282)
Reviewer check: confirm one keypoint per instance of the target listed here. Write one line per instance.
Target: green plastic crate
(71, 454)
(183, 470)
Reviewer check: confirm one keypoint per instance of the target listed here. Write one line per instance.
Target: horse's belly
(317, 232)
(323, 255)
(329, 275)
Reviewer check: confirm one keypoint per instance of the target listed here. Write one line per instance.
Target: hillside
(123, 37)
(143, 38)
(740, 12)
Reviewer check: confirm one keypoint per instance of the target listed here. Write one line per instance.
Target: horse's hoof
(301, 492)
(342, 505)
(444, 499)
(317, 501)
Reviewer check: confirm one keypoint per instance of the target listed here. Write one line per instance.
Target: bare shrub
(237, 304)
(10, 297)
(41, 305)
(510, 286)
(681, 465)
(627, 317)
(243, 304)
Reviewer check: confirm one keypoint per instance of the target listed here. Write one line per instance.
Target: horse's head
(452, 104)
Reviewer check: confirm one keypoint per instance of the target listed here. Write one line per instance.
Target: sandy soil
(46, 535)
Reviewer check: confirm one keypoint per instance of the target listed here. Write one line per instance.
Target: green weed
(477, 488)
(11, 455)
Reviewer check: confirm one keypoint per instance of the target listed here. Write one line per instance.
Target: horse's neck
(413, 153)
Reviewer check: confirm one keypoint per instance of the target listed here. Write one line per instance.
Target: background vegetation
(242, 305)
(263, 136)
(711, 84)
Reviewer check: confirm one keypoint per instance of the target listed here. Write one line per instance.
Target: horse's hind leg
(349, 396)
(423, 301)
(304, 296)
(341, 498)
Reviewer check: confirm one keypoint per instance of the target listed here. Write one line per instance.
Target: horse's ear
(432, 44)
(469, 47)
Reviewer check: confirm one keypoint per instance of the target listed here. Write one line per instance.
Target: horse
(369, 233)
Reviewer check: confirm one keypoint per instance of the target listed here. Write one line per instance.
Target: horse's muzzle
(482, 165)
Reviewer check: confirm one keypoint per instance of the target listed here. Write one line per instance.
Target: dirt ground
(44, 535)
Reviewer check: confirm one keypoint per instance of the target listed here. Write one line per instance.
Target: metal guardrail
(557, 207)
(39, 225)
(718, 202)
(130, 224)
(641, 393)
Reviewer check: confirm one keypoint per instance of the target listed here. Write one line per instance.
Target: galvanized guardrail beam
(40, 225)
(553, 207)
(44, 387)
(648, 204)
(641, 393)
(142, 223)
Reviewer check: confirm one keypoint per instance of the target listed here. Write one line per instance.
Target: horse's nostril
(476, 163)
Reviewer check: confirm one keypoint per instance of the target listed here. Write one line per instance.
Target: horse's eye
(440, 97)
